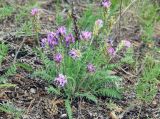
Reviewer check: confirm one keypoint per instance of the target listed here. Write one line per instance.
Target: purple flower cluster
(61, 80)
(91, 68)
(86, 35)
(53, 38)
(43, 42)
(75, 54)
(69, 39)
(99, 23)
(127, 43)
(61, 31)
(111, 51)
(106, 3)
(34, 11)
(58, 58)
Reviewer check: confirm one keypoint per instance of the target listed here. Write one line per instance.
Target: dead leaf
(118, 109)
(113, 115)
(110, 72)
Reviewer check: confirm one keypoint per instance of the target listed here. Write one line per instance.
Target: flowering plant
(78, 67)
(75, 70)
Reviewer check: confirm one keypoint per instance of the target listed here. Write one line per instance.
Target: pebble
(12, 55)
(46, 88)
(93, 114)
(154, 103)
(33, 90)
(63, 116)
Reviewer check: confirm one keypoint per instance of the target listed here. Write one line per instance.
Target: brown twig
(28, 110)
(127, 72)
(76, 29)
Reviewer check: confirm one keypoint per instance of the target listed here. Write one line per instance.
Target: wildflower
(51, 35)
(43, 42)
(52, 39)
(34, 11)
(69, 39)
(61, 31)
(61, 80)
(91, 68)
(127, 43)
(85, 35)
(75, 53)
(99, 23)
(106, 3)
(111, 51)
(58, 58)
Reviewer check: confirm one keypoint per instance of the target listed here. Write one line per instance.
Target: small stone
(95, 114)
(20, 102)
(33, 90)
(12, 55)
(63, 116)
(46, 88)
(90, 114)
(154, 103)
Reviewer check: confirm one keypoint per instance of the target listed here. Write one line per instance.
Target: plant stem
(37, 39)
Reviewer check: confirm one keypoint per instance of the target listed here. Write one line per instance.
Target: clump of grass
(147, 88)
(9, 108)
(3, 53)
(12, 69)
(148, 14)
(6, 11)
